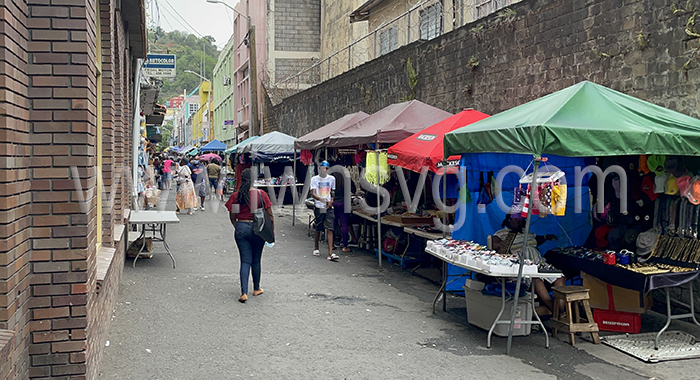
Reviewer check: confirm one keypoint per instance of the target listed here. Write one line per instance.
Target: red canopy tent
(425, 147)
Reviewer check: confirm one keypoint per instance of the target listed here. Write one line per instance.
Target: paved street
(317, 320)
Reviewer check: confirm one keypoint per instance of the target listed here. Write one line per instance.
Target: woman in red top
(249, 244)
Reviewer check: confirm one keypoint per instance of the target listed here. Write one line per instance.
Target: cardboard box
(482, 311)
(625, 300)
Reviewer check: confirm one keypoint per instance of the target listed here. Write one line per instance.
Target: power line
(183, 19)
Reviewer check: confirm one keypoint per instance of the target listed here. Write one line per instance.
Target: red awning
(425, 147)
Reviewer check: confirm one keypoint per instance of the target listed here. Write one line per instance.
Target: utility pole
(253, 72)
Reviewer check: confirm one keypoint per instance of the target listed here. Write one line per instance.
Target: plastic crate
(618, 321)
(482, 311)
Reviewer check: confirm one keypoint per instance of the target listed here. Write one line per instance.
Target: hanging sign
(159, 65)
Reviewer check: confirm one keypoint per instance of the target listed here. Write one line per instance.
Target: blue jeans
(250, 248)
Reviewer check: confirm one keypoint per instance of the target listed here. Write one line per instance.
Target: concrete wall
(548, 46)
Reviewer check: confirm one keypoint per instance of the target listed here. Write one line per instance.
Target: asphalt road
(318, 320)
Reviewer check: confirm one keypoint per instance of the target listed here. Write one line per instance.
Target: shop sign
(159, 65)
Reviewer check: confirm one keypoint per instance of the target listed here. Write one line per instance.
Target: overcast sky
(206, 18)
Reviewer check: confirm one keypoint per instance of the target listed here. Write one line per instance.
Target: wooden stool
(578, 295)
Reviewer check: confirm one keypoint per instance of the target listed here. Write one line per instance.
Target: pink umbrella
(210, 156)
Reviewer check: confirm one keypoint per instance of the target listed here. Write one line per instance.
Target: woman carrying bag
(250, 245)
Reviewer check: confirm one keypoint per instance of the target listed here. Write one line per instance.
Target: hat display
(616, 236)
(694, 195)
(671, 185)
(648, 186)
(683, 183)
(646, 242)
(643, 166)
(631, 236)
(660, 182)
(656, 162)
(672, 164)
(601, 235)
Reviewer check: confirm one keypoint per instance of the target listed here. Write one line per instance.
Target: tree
(193, 53)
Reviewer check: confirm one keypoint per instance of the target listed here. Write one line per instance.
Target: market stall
(584, 120)
(274, 153)
(213, 146)
(387, 126)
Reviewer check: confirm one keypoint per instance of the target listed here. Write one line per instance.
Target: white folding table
(153, 221)
(502, 277)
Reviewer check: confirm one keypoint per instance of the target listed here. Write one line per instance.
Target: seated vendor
(516, 225)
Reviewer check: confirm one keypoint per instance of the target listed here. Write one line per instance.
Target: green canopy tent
(584, 120)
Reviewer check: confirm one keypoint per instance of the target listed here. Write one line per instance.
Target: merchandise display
(479, 258)
(276, 181)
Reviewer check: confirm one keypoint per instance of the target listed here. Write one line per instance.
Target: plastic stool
(571, 324)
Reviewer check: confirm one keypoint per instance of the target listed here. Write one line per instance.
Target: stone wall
(298, 25)
(638, 47)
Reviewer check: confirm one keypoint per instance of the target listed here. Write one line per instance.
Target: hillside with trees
(192, 53)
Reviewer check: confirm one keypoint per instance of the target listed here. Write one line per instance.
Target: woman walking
(185, 197)
(249, 244)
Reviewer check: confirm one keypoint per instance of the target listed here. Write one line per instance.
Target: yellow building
(202, 119)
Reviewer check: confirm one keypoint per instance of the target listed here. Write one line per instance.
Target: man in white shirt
(321, 187)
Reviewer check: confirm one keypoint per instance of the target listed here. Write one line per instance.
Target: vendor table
(154, 221)
(643, 283)
(501, 277)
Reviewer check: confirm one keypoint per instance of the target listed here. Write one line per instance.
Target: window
(388, 40)
(193, 108)
(484, 8)
(431, 22)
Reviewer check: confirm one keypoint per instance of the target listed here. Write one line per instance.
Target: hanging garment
(360, 156)
(306, 157)
(371, 165)
(516, 207)
(558, 200)
(545, 197)
(526, 204)
(484, 190)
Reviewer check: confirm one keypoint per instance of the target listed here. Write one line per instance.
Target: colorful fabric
(186, 196)
(559, 200)
(371, 172)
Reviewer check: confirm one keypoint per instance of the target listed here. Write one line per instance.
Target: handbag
(262, 224)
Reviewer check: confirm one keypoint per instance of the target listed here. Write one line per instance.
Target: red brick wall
(62, 119)
(48, 115)
(15, 183)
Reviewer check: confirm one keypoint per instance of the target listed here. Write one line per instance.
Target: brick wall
(15, 196)
(298, 25)
(63, 119)
(549, 45)
(49, 307)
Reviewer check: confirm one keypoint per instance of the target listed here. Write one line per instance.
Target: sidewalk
(317, 319)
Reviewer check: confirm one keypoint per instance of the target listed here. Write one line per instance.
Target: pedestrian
(167, 173)
(186, 199)
(341, 217)
(321, 187)
(214, 171)
(249, 244)
(201, 182)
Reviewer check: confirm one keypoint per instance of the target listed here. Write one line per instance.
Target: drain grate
(673, 345)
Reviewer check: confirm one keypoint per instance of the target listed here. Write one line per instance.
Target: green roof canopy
(584, 120)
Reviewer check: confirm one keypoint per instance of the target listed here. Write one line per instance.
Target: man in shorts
(321, 187)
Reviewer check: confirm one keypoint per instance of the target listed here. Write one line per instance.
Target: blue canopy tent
(213, 146)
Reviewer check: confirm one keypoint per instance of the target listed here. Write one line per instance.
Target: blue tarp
(477, 226)
(213, 146)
